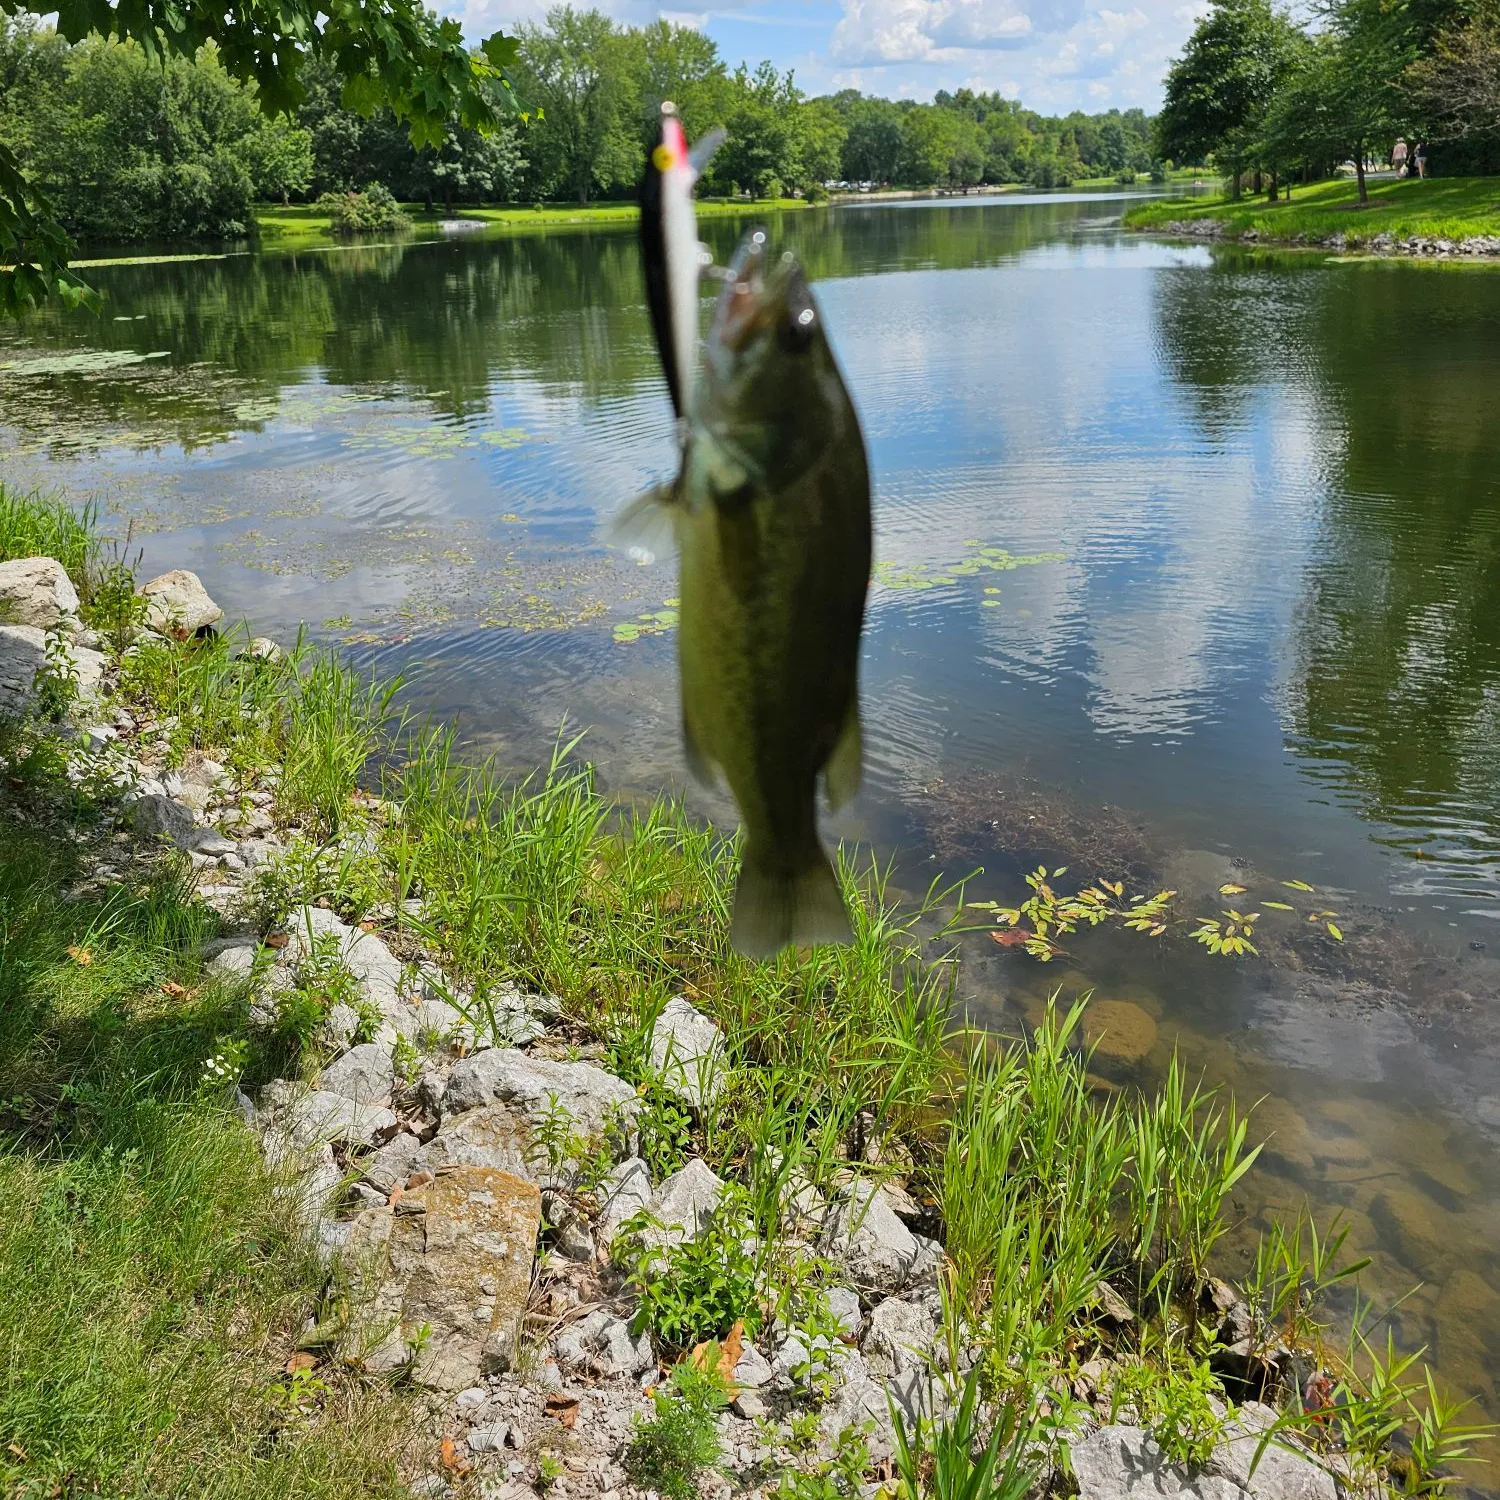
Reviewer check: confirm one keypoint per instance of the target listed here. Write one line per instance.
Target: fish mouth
(754, 293)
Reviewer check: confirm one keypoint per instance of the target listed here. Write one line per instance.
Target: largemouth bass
(771, 515)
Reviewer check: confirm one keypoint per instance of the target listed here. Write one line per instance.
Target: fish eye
(806, 316)
(796, 333)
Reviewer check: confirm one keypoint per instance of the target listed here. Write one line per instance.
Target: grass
(1452, 208)
(301, 223)
(134, 1193)
(36, 525)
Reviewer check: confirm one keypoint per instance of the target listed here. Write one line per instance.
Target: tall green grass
(151, 1280)
(39, 525)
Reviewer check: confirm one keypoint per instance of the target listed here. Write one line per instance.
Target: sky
(1053, 55)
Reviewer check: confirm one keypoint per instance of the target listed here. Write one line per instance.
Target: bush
(363, 213)
(681, 1440)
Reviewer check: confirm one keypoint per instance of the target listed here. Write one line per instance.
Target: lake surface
(1188, 572)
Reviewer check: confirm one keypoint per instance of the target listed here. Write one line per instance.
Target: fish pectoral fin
(702, 150)
(645, 529)
(704, 769)
(841, 776)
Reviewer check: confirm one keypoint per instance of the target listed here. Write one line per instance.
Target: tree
(1217, 91)
(280, 158)
(872, 143)
(823, 133)
(681, 64)
(390, 52)
(762, 149)
(1456, 87)
(577, 72)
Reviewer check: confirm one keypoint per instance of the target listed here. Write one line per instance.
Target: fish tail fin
(775, 908)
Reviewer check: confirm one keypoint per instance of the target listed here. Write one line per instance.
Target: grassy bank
(285, 226)
(151, 1286)
(1453, 208)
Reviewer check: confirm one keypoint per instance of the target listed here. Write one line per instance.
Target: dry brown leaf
(276, 939)
(563, 1407)
(301, 1360)
(451, 1457)
(16, 1451)
(727, 1352)
(175, 990)
(1009, 937)
(80, 956)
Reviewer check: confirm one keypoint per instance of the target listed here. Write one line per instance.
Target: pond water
(1188, 573)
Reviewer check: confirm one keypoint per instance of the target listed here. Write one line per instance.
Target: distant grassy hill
(1452, 208)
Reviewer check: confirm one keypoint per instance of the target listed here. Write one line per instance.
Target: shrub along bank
(301, 1015)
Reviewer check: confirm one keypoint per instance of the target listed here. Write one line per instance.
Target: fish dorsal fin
(841, 776)
(645, 529)
(702, 150)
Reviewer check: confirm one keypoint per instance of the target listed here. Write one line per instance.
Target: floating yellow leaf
(1335, 934)
(1297, 885)
(1280, 906)
(1231, 890)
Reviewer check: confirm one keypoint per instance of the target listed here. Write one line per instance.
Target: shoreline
(456, 1011)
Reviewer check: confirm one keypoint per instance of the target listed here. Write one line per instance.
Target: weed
(323, 983)
(40, 525)
(681, 1440)
(57, 677)
(697, 1288)
(1175, 1396)
(839, 1479)
(939, 1461)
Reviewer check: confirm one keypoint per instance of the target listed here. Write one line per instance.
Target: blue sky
(1054, 55)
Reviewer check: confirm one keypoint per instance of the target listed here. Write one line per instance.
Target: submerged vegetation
(152, 1283)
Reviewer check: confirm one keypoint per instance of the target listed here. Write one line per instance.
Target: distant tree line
(1259, 93)
(129, 147)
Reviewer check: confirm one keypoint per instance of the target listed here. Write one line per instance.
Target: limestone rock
(159, 816)
(901, 1336)
(493, 1135)
(687, 1052)
(23, 653)
(37, 591)
(390, 1166)
(602, 1344)
(1119, 1461)
(593, 1101)
(877, 1249)
(683, 1203)
(753, 1370)
(843, 1304)
(859, 1400)
(625, 1191)
(363, 1074)
(261, 648)
(178, 604)
(314, 1117)
(455, 1257)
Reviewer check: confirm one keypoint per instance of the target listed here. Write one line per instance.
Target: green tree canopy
(1217, 91)
(387, 52)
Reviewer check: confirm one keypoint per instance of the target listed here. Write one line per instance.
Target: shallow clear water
(1253, 636)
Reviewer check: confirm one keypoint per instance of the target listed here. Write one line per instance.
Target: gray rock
(1120, 1461)
(574, 1240)
(236, 960)
(390, 1166)
(489, 1438)
(212, 843)
(164, 817)
(901, 1337)
(468, 1400)
(23, 653)
(1283, 1473)
(683, 1204)
(97, 736)
(862, 1231)
(602, 1344)
(843, 1304)
(261, 648)
(625, 1191)
(316, 1116)
(687, 1052)
(178, 604)
(493, 1135)
(753, 1370)
(593, 1100)
(748, 1405)
(37, 591)
(859, 1399)
(363, 1074)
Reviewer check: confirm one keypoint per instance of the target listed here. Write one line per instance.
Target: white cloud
(904, 31)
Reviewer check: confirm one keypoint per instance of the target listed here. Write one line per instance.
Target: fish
(770, 513)
(671, 256)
